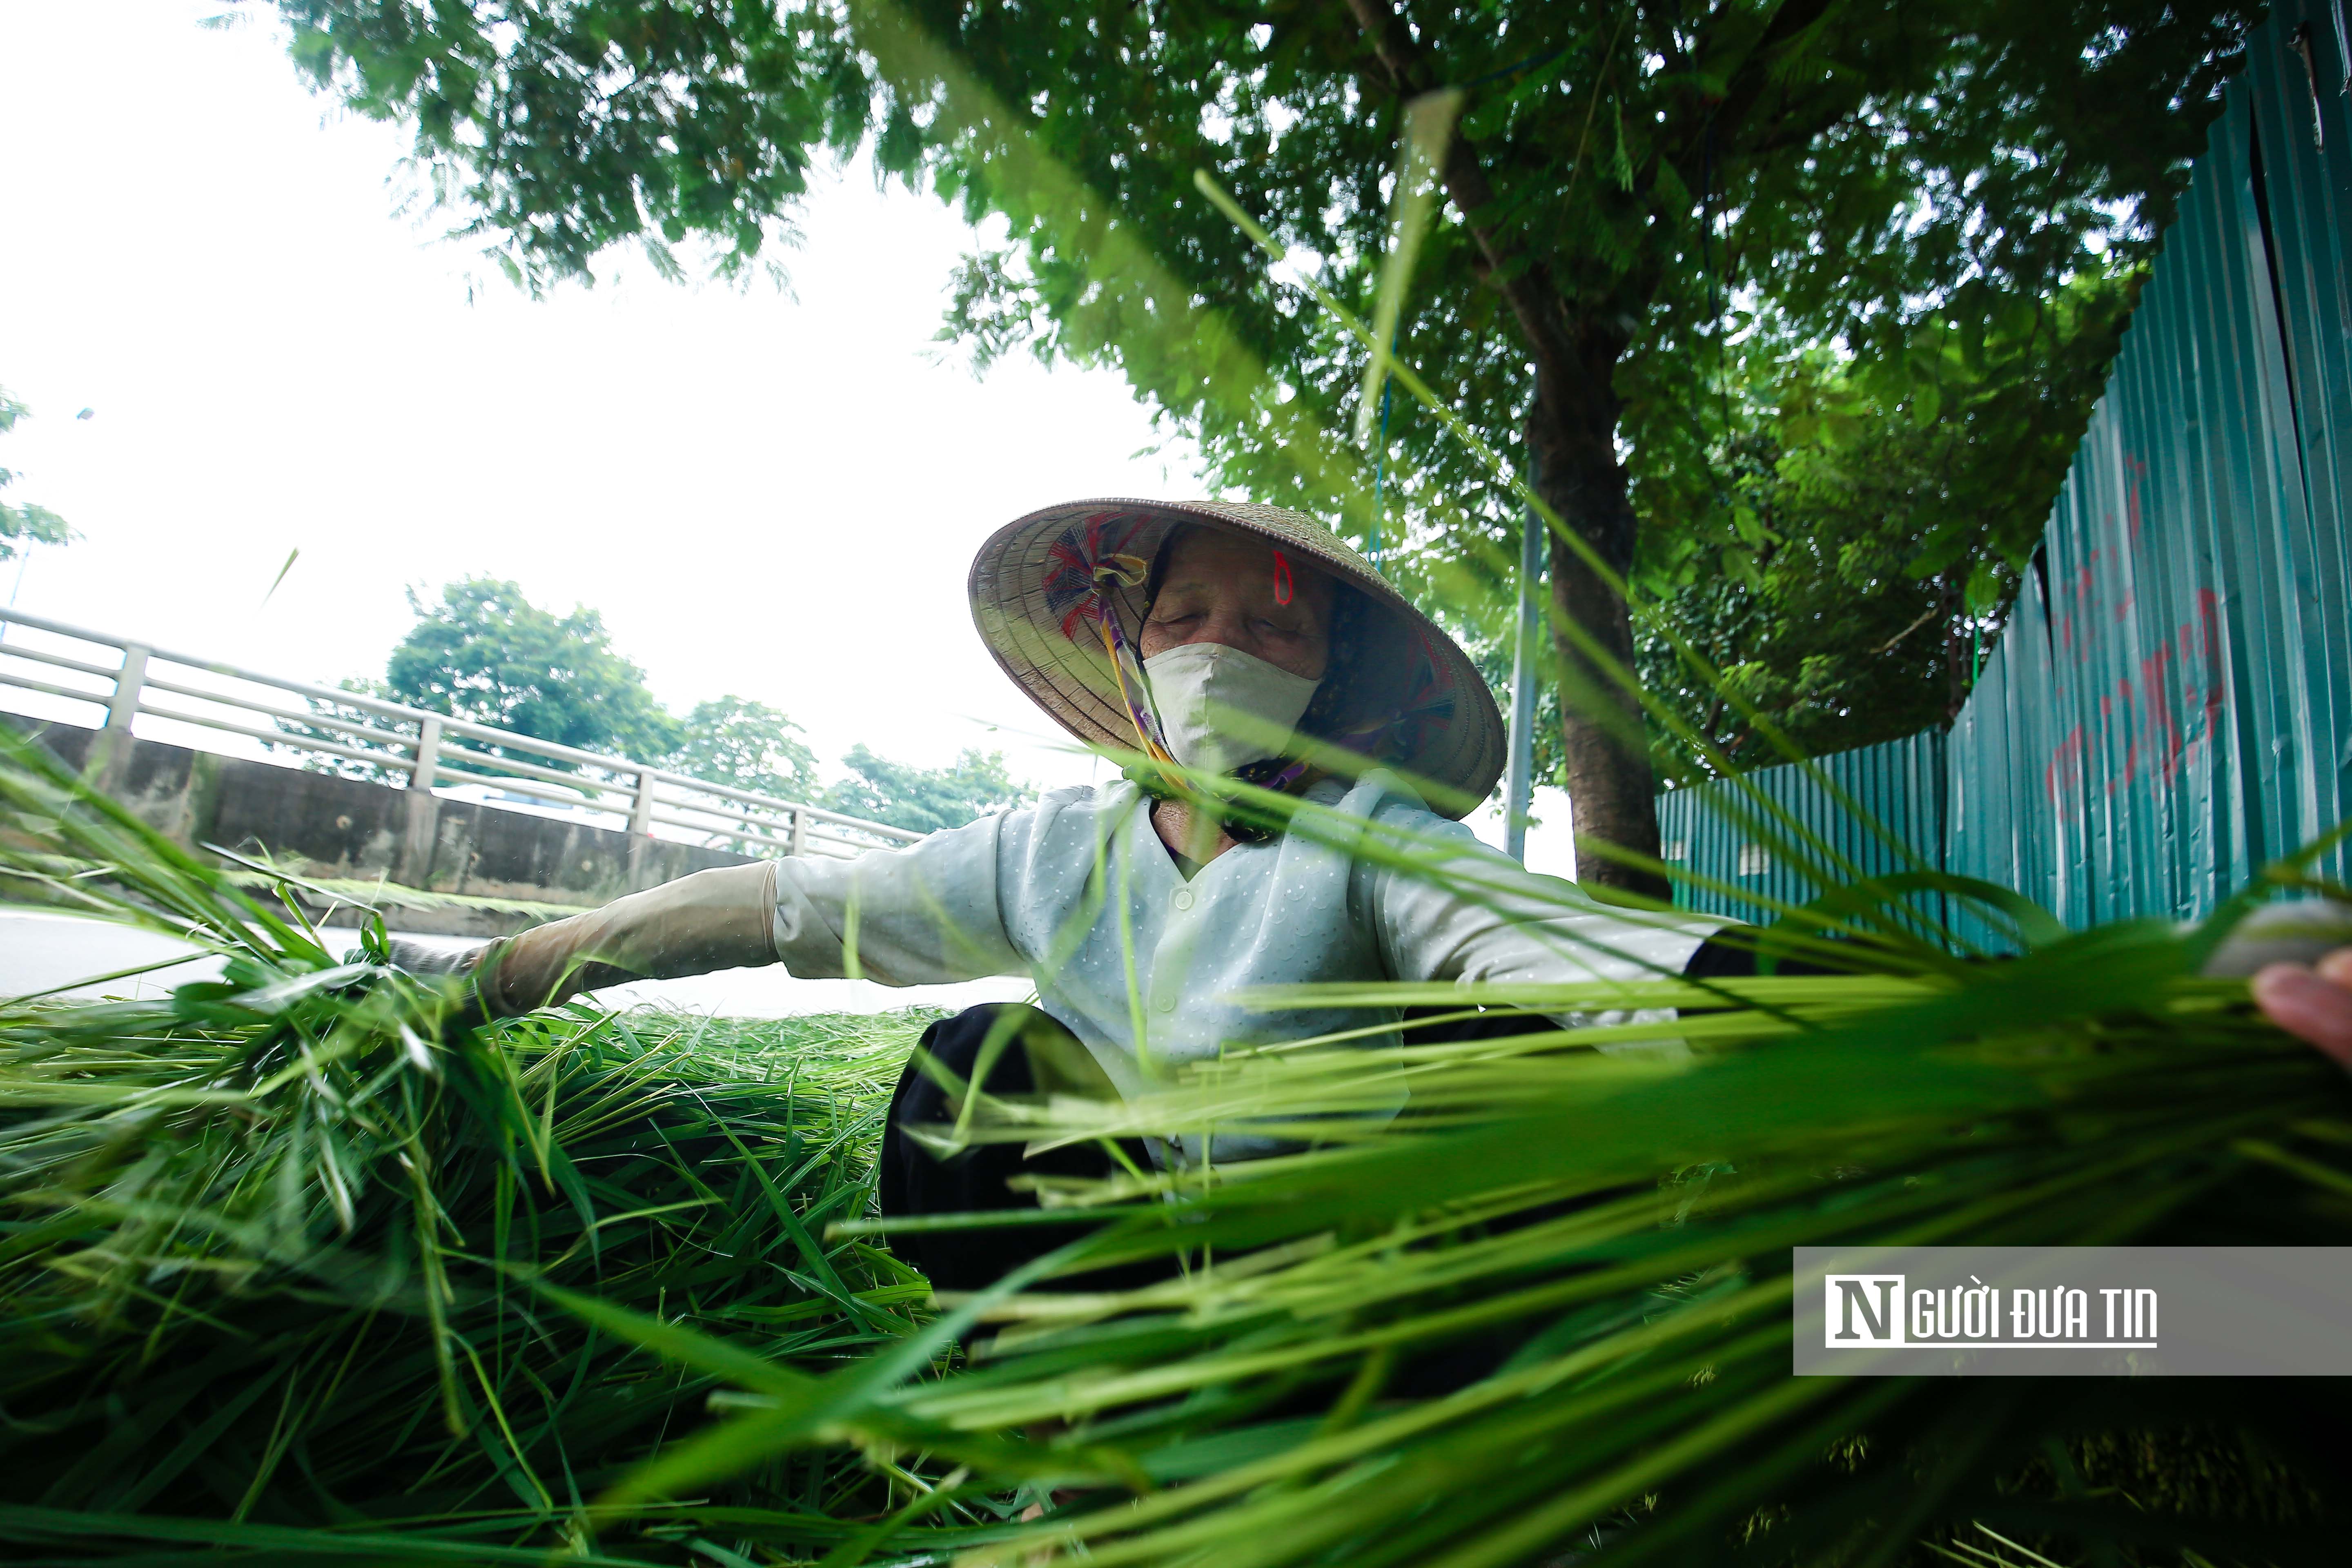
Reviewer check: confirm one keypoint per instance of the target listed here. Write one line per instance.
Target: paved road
(41, 951)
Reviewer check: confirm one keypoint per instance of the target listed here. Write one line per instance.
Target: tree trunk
(1611, 786)
(1571, 434)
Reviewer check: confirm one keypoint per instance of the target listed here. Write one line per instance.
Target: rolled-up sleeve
(924, 915)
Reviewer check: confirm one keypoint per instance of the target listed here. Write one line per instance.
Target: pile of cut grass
(279, 1252)
(264, 1264)
(296, 1268)
(1547, 1308)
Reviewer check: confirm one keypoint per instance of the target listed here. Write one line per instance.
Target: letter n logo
(1863, 1309)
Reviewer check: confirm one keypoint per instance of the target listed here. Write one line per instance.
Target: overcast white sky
(771, 495)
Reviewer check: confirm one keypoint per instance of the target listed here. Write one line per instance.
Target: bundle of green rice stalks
(280, 1253)
(1550, 1309)
(299, 1268)
(1545, 1312)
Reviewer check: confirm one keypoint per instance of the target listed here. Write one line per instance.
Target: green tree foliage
(699, 121)
(22, 523)
(746, 745)
(486, 653)
(1843, 554)
(1860, 535)
(924, 799)
(1626, 177)
(1624, 174)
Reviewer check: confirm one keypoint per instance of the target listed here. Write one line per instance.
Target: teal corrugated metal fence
(2170, 705)
(1738, 858)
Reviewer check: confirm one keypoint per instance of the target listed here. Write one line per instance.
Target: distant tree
(486, 653)
(728, 740)
(22, 523)
(924, 799)
(747, 746)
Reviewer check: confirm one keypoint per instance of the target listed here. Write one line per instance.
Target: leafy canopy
(1643, 198)
(486, 653)
(560, 129)
(747, 746)
(1856, 538)
(924, 800)
(1698, 232)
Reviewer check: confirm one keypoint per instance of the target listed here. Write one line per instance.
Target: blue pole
(1518, 794)
(1381, 462)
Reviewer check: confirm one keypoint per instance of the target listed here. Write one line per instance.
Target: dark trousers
(915, 1181)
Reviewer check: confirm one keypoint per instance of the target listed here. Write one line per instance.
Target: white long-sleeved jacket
(1078, 893)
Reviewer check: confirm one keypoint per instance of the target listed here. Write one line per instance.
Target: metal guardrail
(421, 749)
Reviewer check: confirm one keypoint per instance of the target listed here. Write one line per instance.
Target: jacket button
(1183, 898)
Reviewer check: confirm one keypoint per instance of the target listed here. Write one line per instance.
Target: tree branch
(1528, 288)
(1745, 88)
(1924, 616)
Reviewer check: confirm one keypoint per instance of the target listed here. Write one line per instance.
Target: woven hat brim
(1022, 604)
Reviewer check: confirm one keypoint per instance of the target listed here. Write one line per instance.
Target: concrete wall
(324, 827)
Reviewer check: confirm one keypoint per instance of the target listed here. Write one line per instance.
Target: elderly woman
(1229, 639)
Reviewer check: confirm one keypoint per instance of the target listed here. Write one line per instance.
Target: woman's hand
(2294, 957)
(2314, 1004)
(711, 920)
(511, 975)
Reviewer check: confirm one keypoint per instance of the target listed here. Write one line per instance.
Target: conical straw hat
(1033, 597)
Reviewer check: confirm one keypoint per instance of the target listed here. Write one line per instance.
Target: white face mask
(1221, 708)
